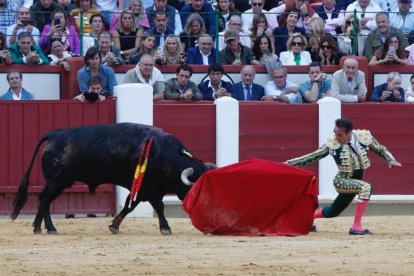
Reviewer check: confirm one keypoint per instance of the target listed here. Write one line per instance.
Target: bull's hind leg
(158, 206)
(52, 190)
(37, 223)
(114, 227)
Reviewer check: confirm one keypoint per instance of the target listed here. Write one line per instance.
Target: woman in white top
(296, 54)
(345, 40)
(58, 56)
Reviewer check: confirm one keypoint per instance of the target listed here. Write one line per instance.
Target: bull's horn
(211, 166)
(185, 174)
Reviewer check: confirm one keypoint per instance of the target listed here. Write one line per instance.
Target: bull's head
(185, 174)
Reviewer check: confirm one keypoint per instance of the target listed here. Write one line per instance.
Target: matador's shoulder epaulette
(363, 136)
(332, 143)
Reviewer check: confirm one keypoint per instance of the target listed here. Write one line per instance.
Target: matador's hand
(394, 163)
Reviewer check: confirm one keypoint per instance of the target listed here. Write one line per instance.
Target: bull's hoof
(37, 231)
(52, 232)
(113, 229)
(166, 232)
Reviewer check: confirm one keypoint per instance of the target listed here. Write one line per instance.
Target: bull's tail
(21, 196)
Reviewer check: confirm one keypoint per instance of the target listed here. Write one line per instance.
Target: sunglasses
(297, 43)
(349, 22)
(326, 47)
(257, 4)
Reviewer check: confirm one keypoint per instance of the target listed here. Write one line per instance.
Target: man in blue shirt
(94, 67)
(317, 87)
(390, 91)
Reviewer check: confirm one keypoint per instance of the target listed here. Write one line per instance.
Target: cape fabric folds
(252, 198)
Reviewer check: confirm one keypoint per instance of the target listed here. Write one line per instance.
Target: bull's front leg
(158, 206)
(114, 227)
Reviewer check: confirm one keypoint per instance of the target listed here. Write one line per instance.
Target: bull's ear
(185, 174)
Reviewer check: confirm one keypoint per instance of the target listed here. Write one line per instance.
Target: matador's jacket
(348, 160)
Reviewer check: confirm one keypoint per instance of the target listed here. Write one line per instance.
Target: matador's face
(341, 135)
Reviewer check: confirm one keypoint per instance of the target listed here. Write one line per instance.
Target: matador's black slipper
(359, 232)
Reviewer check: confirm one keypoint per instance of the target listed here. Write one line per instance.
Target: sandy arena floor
(86, 247)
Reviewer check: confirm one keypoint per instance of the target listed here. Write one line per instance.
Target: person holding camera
(24, 52)
(390, 91)
(60, 28)
(375, 39)
(317, 87)
(5, 57)
(22, 25)
(390, 53)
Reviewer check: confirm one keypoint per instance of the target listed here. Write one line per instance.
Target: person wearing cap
(402, 18)
(235, 53)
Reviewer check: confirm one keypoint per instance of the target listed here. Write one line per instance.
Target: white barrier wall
(135, 105)
(329, 111)
(227, 131)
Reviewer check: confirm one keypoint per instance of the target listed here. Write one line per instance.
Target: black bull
(109, 154)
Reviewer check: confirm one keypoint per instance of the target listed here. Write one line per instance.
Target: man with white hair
(146, 72)
(348, 83)
(390, 91)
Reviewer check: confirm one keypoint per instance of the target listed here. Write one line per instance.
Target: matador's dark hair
(345, 124)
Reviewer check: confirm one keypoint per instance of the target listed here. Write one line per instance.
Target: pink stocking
(318, 213)
(359, 212)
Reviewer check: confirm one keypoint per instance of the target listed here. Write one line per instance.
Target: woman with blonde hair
(127, 37)
(296, 53)
(193, 28)
(346, 39)
(141, 18)
(146, 47)
(316, 32)
(171, 53)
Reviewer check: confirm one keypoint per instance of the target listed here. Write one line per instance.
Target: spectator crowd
(245, 33)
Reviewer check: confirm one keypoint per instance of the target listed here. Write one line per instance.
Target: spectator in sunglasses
(328, 51)
(256, 8)
(296, 54)
(351, 30)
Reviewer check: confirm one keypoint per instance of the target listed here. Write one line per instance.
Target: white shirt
(247, 19)
(371, 10)
(205, 57)
(15, 97)
(397, 21)
(272, 90)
